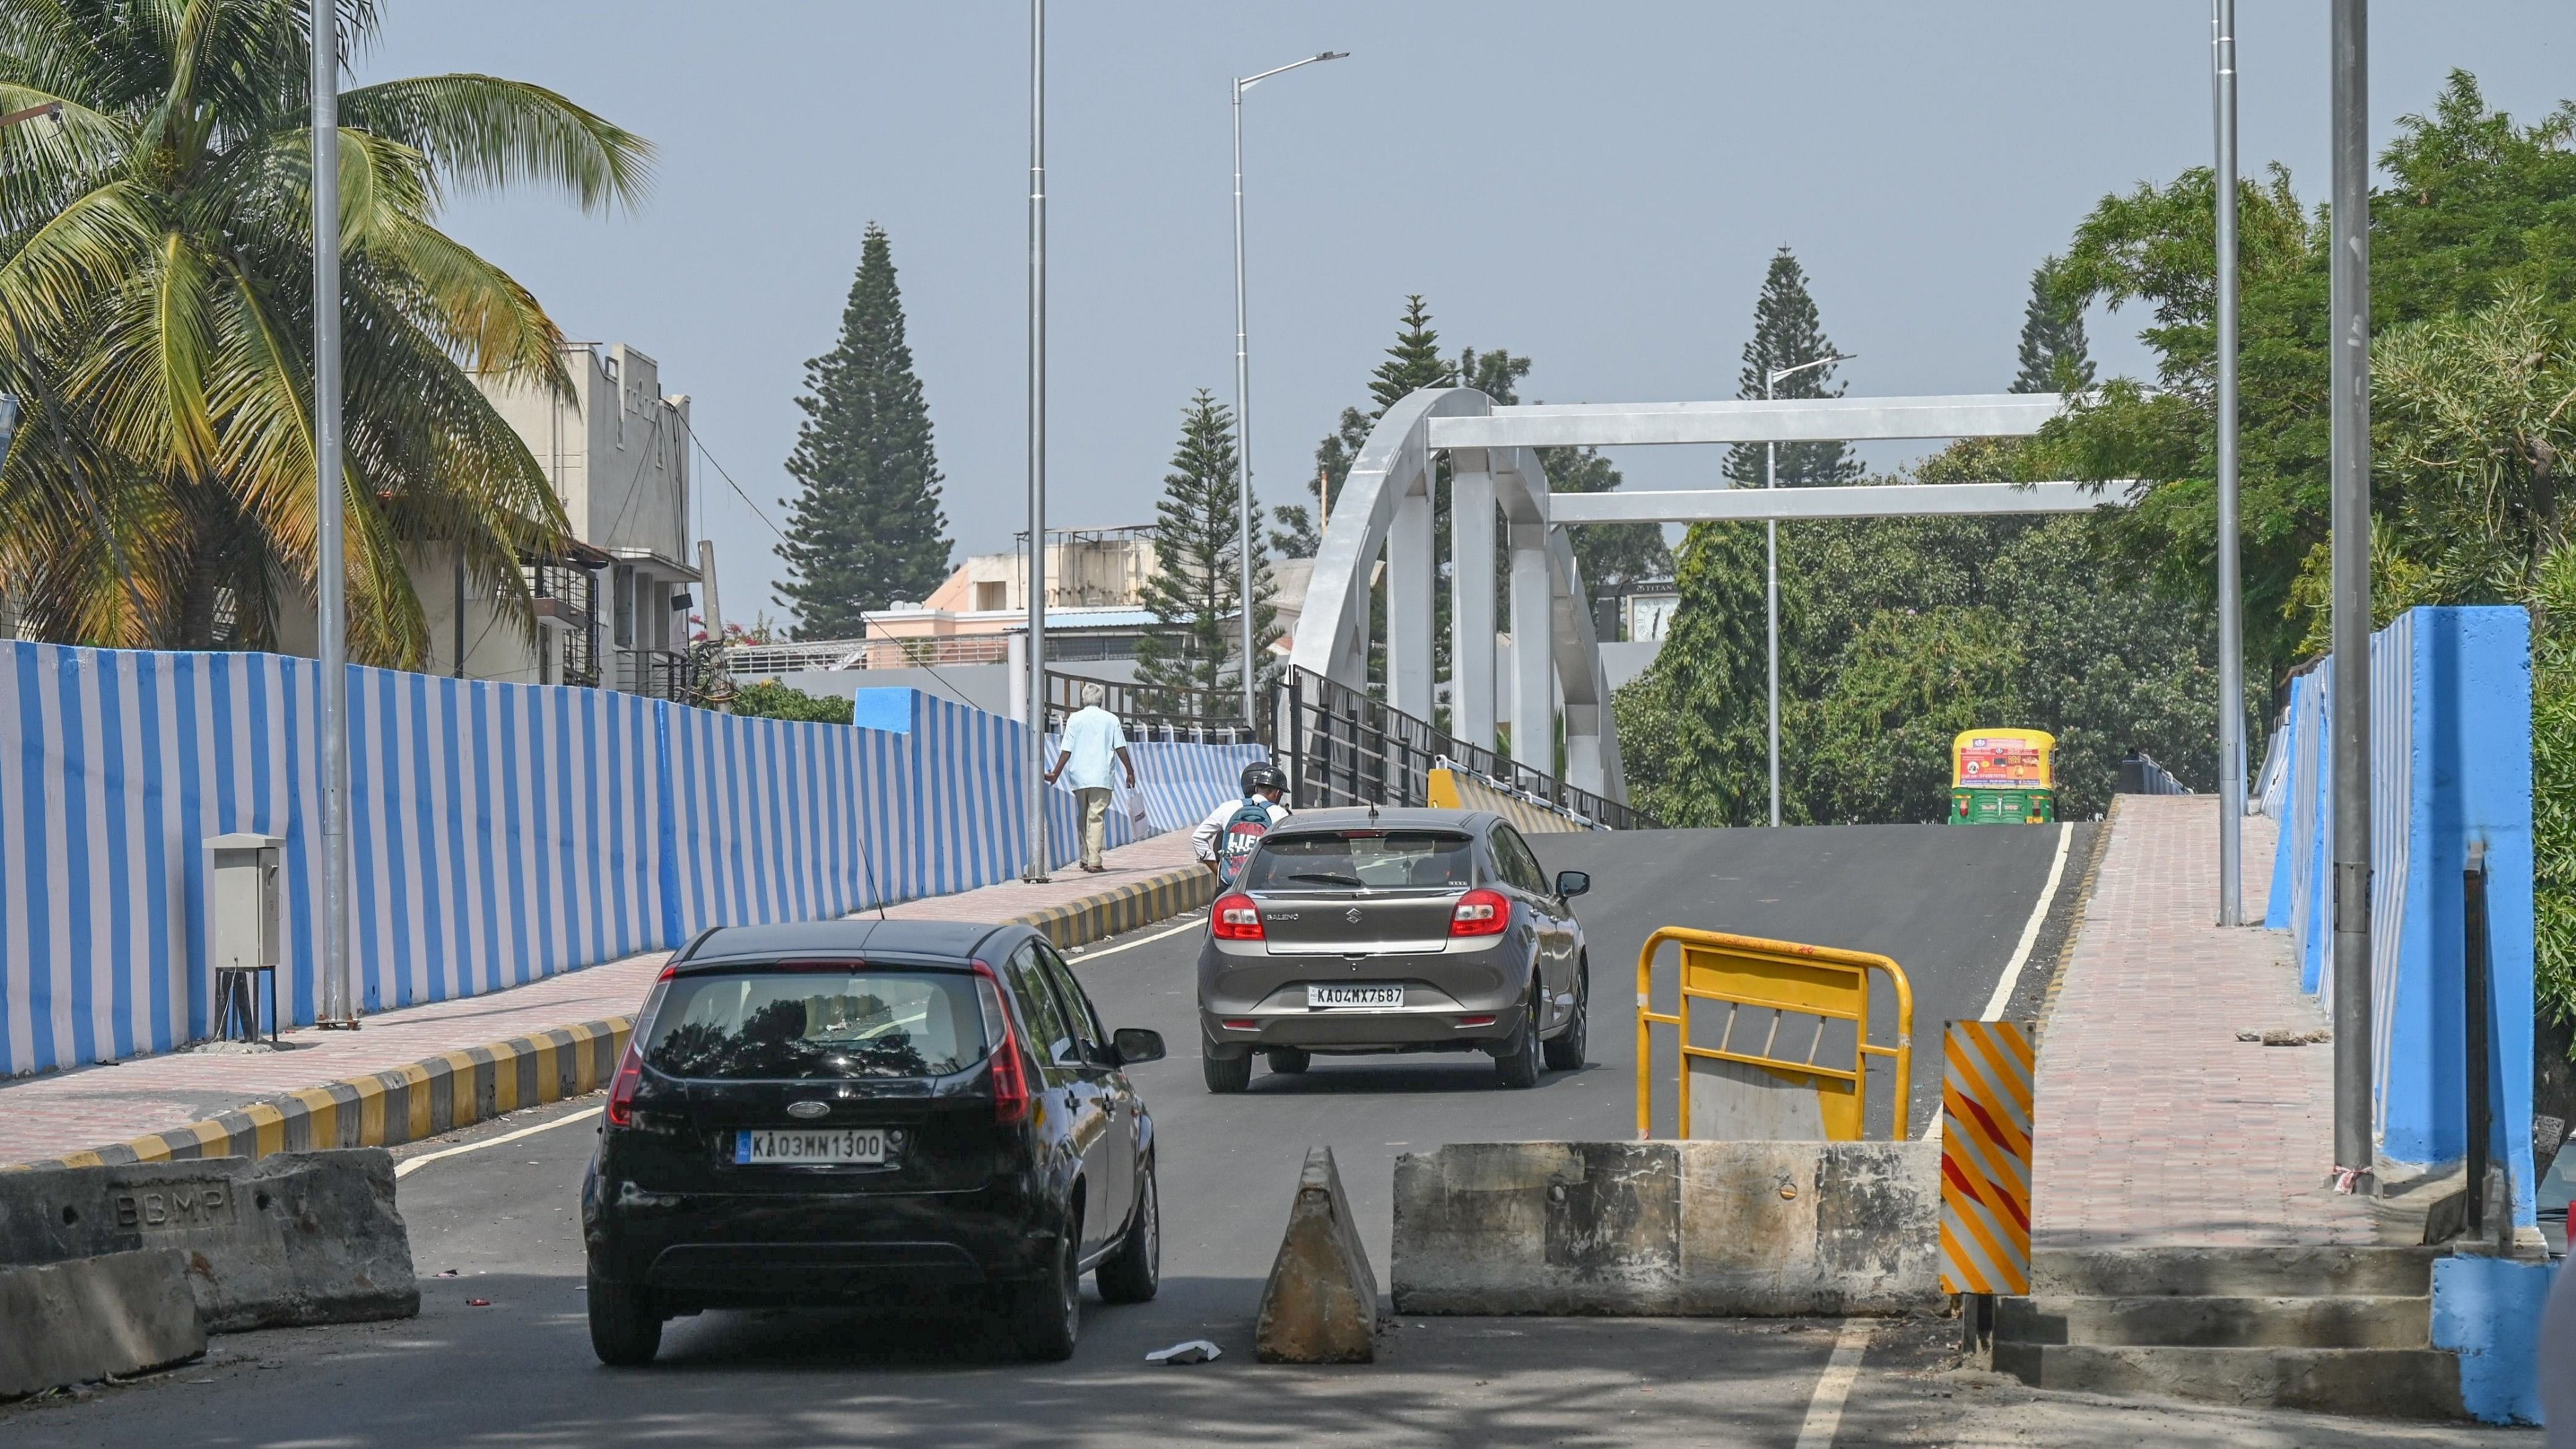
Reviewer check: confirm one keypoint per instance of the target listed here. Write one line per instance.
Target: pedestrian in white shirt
(1091, 744)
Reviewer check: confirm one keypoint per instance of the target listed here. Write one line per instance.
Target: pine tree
(1413, 362)
(1197, 587)
(2054, 356)
(1786, 332)
(867, 529)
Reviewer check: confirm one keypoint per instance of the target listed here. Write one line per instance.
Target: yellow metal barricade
(1780, 977)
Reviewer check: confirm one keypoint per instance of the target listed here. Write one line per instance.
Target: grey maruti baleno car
(1394, 931)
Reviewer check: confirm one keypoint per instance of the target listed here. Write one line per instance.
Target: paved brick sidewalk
(2155, 1125)
(48, 1116)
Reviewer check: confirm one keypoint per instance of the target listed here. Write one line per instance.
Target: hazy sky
(1596, 185)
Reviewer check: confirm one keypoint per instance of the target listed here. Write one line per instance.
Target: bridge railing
(1344, 746)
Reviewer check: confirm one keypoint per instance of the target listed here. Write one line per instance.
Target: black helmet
(1263, 775)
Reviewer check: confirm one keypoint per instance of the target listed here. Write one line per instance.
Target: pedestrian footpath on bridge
(2155, 1124)
(58, 1114)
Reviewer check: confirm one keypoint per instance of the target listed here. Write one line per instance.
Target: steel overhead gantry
(1384, 510)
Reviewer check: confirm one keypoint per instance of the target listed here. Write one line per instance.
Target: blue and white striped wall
(2451, 764)
(499, 833)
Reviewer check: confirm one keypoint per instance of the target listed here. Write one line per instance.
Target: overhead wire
(864, 622)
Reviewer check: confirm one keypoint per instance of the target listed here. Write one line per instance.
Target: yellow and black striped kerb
(407, 1104)
(1985, 1158)
(1457, 790)
(1159, 896)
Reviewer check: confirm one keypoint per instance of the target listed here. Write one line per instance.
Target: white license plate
(1366, 997)
(758, 1145)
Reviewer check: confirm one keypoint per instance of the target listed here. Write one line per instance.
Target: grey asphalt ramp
(1947, 903)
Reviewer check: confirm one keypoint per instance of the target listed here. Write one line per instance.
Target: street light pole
(2349, 466)
(2231, 633)
(1771, 569)
(1037, 823)
(338, 1007)
(1243, 379)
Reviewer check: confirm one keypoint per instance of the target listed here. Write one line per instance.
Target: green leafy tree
(2054, 357)
(770, 699)
(1193, 663)
(867, 529)
(1412, 363)
(156, 257)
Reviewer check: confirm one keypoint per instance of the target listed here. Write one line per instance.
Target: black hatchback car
(844, 1113)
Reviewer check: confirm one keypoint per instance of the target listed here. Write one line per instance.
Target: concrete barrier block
(1320, 1305)
(1538, 1227)
(79, 1321)
(293, 1238)
(1668, 1228)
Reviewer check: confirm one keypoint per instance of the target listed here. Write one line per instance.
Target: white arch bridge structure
(1384, 511)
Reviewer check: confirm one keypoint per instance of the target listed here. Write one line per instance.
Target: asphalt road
(1948, 904)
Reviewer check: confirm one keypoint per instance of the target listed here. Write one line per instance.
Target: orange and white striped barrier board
(1985, 1158)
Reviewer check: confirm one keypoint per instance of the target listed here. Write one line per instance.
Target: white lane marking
(410, 1165)
(1090, 956)
(1825, 1410)
(2030, 930)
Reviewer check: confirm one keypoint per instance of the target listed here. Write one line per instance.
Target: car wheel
(1564, 1051)
(1226, 1074)
(1290, 1061)
(625, 1324)
(1131, 1274)
(1046, 1311)
(1519, 1063)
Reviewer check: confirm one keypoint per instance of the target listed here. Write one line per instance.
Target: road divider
(90, 1318)
(1666, 1229)
(1320, 1305)
(295, 1238)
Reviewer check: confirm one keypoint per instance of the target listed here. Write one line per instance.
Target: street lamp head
(1779, 373)
(1334, 55)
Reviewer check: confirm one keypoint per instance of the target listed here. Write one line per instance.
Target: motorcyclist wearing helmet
(1230, 831)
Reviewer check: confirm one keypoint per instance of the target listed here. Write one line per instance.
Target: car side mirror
(1572, 882)
(1135, 1044)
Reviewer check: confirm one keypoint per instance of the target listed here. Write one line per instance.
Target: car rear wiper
(1328, 878)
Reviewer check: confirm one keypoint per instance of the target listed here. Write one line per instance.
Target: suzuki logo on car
(808, 1109)
(1352, 915)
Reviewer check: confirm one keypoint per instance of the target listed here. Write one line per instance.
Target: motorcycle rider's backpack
(1241, 836)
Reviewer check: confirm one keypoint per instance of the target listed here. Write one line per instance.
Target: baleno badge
(808, 1109)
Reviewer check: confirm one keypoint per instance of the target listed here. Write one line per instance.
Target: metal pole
(2350, 468)
(1037, 832)
(1242, 406)
(339, 1004)
(1771, 593)
(2231, 639)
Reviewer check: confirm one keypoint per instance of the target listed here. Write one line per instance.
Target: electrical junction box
(241, 901)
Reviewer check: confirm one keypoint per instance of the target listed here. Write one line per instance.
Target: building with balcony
(613, 611)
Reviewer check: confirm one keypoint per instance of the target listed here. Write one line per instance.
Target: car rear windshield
(805, 1023)
(1374, 859)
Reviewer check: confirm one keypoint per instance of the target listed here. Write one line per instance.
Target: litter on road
(1197, 1350)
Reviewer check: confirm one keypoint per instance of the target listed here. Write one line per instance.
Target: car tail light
(1475, 1021)
(1236, 918)
(1240, 1023)
(1480, 913)
(1010, 1074)
(621, 1088)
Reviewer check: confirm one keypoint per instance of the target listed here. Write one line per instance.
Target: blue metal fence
(2450, 764)
(499, 833)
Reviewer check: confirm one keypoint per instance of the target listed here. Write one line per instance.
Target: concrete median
(1320, 1305)
(295, 1238)
(1668, 1228)
(88, 1319)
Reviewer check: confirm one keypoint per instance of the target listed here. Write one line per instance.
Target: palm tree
(156, 321)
